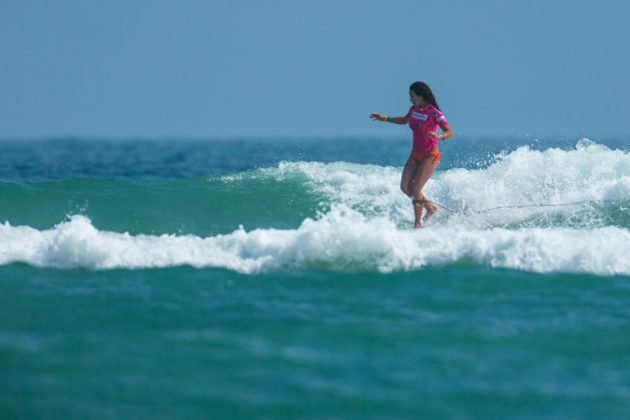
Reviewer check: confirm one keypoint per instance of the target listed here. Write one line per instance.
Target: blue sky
(295, 69)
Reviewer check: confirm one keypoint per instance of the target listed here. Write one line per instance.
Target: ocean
(281, 278)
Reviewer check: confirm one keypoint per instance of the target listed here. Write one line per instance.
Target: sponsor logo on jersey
(419, 116)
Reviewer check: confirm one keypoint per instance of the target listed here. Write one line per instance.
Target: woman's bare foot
(431, 210)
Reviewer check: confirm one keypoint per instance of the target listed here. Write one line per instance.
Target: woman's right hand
(375, 116)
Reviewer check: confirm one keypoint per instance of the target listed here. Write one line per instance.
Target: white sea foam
(590, 172)
(343, 239)
(365, 226)
(554, 176)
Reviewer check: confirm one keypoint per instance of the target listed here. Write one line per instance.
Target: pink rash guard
(423, 121)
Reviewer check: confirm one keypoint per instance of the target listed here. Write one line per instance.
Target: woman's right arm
(395, 120)
(400, 120)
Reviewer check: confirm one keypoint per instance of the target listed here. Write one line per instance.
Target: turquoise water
(187, 279)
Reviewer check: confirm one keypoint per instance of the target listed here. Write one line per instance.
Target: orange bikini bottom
(420, 156)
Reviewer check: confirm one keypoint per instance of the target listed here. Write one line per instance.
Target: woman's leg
(421, 176)
(407, 177)
(406, 185)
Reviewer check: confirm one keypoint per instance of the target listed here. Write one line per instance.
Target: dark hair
(422, 89)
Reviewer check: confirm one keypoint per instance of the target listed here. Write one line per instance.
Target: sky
(298, 69)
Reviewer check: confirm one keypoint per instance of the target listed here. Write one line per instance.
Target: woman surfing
(423, 118)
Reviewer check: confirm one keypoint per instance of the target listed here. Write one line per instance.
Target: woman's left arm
(446, 132)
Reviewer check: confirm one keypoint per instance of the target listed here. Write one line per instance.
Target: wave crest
(343, 239)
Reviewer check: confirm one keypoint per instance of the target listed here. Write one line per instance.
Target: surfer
(423, 118)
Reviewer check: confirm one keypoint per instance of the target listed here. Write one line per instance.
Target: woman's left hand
(434, 135)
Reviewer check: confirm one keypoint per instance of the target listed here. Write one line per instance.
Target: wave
(199, 206)
(284, 195)
(338, 216)
(343, 239)
(592, 175)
